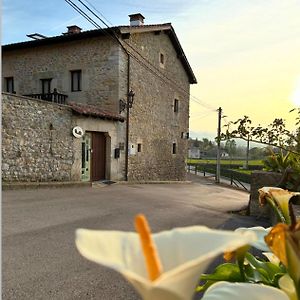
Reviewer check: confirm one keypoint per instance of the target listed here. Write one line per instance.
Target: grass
(243, 171)
(225, 162)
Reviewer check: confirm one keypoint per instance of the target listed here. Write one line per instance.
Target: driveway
(40, 261)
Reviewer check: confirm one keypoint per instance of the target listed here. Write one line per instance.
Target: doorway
(98, 156)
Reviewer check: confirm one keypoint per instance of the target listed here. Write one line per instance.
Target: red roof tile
(94, 111)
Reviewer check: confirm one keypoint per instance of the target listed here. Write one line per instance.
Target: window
(176, 105)
(174, 148)
(139, 147)
(46, 86)
(9, 84)
(161, 58)
(76, 80)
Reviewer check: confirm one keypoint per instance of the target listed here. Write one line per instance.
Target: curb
(37, 185)
(153, 182)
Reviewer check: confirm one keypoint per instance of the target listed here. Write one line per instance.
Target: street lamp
(128, 104)
(130, 98)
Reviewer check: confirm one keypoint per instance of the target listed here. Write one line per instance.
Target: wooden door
(98, 156)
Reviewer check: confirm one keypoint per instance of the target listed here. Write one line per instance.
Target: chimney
(73, 29)
(136, 19)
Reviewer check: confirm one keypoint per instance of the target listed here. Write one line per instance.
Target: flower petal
(260, 232)
(184, 252)
(272, 258)
(246, 291)
(287, 285)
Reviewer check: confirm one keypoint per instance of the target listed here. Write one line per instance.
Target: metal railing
(209, 170)
(54, 97)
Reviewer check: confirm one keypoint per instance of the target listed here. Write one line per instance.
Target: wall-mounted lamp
(123, 104)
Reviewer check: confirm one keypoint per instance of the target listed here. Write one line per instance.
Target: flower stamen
(152, 260)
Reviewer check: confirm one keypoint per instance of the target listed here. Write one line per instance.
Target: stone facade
(157, 133)
(153, 122)
(97, 58)
(38, 145)
(36, 140)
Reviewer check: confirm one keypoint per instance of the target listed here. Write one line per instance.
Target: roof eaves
(181, 56)
(59, 39)
(88, 110)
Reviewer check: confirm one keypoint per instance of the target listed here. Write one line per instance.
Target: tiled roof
(166, 27)
(94, 111)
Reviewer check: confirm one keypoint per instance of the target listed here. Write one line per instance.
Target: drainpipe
(127, 118)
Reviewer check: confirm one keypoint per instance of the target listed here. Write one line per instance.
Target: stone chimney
(73, 29)
(136, 19)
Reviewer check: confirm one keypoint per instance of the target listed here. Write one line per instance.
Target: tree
(230, 147)
(274, 134)
(287, 160)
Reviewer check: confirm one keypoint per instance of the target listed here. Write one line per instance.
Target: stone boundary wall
(37, 145)
(260, 179)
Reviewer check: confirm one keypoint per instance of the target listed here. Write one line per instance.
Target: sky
(245, 53)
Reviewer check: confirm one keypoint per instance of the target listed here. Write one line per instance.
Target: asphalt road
(39, 258)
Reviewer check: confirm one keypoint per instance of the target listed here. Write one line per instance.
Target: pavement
(39, 258)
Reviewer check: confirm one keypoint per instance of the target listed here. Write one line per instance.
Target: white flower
(272, 258)
(245, 291)
(260, 232)
(279, 197)
(185, 253)
(286, 284)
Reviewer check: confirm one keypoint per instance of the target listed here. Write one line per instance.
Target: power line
(199, 101)
(112, 34)
(203, 115)
(80, 11)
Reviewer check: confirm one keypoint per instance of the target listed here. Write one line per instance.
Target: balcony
(54, 97)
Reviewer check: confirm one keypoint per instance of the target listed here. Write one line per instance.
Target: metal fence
(235, 178)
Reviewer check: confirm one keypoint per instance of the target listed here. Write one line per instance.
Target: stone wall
(37, 144)
(97, 58)
(260, 179)
(104, 65)
(153, 122)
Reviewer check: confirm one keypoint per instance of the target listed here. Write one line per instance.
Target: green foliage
(233, 162)
(278, 162)
(287, 161)
(275, 134)
(253, 269)
(268, 272)
(225, 272)
(289, 165)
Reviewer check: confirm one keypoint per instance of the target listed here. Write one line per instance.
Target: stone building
(67, 113)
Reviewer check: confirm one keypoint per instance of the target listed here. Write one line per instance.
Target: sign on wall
(78, 132)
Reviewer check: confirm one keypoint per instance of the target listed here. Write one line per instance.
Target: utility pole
(218, 173)
(247, 153)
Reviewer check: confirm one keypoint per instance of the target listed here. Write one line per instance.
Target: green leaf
(253, 275)
(225, 272)
(268, 270)
(204, 287)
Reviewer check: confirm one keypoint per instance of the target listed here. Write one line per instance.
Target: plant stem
(240, 261)
(278, 213)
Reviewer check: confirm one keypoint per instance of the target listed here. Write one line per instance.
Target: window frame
(9, 80)
(174, 148)
(176, 105)
(139, 147)
(76, 87)
(162, 58)
(43, 83)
